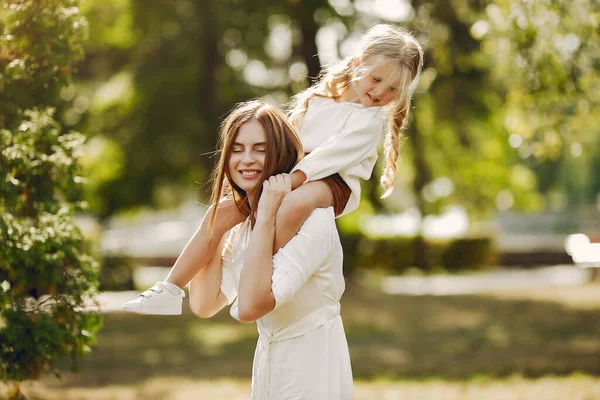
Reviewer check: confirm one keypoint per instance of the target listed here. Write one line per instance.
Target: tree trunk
(207, 89)
(304, 12)
(422, 177)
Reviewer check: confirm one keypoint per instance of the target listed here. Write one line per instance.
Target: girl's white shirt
(302, 350)
(341, 138)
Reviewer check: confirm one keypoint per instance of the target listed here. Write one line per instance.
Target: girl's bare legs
(166, 298)
(200, 249)
(296, 207)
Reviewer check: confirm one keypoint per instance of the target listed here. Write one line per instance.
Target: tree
(546, 55)
(456, 150)
(160, 76)
(45, 277)
(172, 69)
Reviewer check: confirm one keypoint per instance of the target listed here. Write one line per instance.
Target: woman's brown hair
(283, 150)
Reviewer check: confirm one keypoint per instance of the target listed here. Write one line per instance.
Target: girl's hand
(274, 190)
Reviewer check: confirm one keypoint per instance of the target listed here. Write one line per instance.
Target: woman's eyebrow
(254, 144)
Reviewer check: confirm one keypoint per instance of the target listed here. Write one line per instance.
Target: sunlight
(389, 10)
(582, 249)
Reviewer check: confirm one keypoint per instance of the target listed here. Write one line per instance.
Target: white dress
(341, 138)
(302, 353)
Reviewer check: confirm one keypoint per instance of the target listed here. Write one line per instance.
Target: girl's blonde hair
(283, 149)
(380, 46)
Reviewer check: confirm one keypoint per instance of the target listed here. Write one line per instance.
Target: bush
(397, 254)
(116, 273)
(468, 253)
(45, 278)
(350, 243)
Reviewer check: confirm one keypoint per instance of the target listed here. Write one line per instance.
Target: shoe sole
(154, 311)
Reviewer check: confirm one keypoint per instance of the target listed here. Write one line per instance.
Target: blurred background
(476, 279)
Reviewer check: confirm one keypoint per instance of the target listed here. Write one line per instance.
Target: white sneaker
(161, 299)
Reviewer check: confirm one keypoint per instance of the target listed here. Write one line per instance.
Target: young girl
(340, 122)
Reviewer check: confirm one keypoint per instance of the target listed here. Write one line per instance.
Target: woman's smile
(249, 173)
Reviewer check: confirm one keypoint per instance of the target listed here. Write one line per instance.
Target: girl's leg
(200, 249)
(165, 298)
(296, 207)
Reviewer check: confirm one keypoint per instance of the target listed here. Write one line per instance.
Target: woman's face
(247, 158)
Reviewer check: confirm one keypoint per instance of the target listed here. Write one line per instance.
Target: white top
(341, 138)
(302, 351)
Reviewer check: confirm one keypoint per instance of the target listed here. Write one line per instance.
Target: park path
(436, 285)
(481, 282)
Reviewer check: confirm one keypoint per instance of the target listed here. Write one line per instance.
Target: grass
(533, 344)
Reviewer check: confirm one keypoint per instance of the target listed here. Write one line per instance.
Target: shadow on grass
(390, 336)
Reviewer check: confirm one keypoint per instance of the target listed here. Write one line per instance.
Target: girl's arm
(356, 142)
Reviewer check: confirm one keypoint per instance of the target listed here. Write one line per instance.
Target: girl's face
(372, 89)
(247, 158)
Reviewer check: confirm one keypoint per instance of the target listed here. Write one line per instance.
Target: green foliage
(398, 254)
(468, 253)
(546, 55)
(161, 75)
(39, 44)
(458, 145)
(45, 277)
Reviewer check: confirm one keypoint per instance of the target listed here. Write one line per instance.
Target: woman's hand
(274, 190)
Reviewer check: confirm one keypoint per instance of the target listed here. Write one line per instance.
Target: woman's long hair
(283, 150)
(381, 45)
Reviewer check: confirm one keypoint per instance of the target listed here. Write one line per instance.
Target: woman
(293, 295)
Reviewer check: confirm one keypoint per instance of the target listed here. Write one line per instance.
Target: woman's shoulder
(321, 221)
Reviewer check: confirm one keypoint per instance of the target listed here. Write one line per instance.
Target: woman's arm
(269, 281)
(255, 296)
